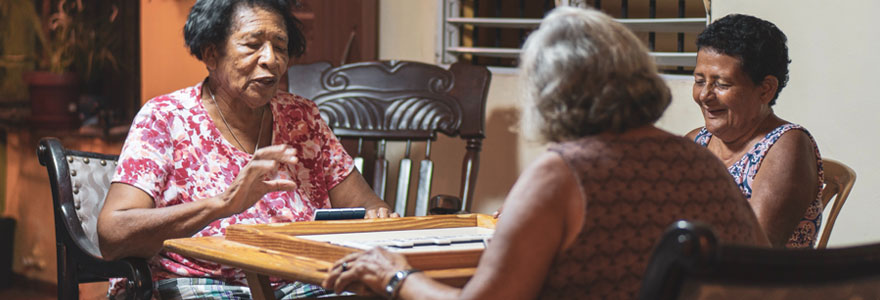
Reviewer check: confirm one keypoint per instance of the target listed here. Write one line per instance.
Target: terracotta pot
(53, 100)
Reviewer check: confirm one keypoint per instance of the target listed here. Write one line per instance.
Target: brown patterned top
(635, 188)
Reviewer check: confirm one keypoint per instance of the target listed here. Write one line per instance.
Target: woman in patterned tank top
(582, 220)
(742, 65)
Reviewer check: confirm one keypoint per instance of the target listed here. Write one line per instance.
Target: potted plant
(73, 44)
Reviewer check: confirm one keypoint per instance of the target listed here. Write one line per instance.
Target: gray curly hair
(584, 73)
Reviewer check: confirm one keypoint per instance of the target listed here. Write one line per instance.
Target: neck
(733, 147)
(237, 112)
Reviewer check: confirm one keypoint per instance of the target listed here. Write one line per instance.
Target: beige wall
(831, 93)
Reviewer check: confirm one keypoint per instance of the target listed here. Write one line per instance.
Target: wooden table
(275, 250)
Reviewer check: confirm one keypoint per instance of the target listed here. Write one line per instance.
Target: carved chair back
(80, 181)
(377, 102)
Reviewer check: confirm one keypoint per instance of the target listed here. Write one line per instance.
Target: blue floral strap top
(744, 170)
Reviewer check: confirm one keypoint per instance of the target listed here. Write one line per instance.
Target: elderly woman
(742, 65)
(232, 149)
(581, 221)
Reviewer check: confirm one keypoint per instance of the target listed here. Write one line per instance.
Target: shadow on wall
(498, 163)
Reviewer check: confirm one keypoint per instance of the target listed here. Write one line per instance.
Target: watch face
(391, 288)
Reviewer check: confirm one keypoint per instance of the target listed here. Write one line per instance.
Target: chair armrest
(140, 283)
(444, 205)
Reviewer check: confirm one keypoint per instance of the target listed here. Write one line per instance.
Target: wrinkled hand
(371, 269)
(252, 182)
(380, 212)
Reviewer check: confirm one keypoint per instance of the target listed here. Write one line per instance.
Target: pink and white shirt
(176, 155)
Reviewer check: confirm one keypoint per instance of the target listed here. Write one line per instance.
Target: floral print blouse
(744, 171)
(176, 155)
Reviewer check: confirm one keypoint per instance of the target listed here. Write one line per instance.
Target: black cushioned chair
(80, 181)
(689, 263)
(375, 102)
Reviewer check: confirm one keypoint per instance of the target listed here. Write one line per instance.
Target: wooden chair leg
(260, 288)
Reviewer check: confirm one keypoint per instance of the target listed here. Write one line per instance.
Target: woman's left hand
(380, 212)
(372, 269)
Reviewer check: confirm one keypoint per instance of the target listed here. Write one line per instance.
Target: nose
(268, 56)
(705, 92)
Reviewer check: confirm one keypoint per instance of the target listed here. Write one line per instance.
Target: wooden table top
(260, 254)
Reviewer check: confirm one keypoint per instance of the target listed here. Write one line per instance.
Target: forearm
(354, 191)
(140, 232)
(420, 286)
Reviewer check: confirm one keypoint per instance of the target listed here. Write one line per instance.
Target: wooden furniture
(376, 102)
(79, 182)
(690, 263)
(839, 181)
(340, 31)
(275, 250)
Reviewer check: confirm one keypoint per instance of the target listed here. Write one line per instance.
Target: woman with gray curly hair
(581, 222)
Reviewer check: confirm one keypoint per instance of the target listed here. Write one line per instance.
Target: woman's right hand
(253, 182)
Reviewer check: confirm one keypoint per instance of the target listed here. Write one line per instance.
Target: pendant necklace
(220, 110)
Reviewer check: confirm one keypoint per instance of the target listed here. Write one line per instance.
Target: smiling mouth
(714, 111)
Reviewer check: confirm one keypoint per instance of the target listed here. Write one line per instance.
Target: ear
(210, 56)
(768, 88)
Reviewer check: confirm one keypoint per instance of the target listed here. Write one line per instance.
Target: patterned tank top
(744, 171)
(634, 189)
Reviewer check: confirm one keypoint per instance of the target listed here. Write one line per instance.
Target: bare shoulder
(547, 179)
(693, 133)
(550, 172)
(793, 145)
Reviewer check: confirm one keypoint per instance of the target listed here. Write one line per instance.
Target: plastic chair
(376, 102)
(689, 263)
(839, 181)
(80, 181)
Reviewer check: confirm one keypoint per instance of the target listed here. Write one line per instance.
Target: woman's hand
(371, 269)
(253, 181)
(380, 212)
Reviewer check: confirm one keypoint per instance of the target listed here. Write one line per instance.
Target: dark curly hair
(209, 23)
(758, 44)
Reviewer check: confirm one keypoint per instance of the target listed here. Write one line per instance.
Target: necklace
(220, 110)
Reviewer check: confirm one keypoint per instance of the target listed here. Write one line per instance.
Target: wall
(831, 48)
(166, 64)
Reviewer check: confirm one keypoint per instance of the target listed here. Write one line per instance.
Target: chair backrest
(839, 181)
(689, 263)
(376, 102)
(80, 181)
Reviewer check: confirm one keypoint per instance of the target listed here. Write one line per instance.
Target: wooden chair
(376, 102)
(839, 180)
(80, 181)
(689, 263)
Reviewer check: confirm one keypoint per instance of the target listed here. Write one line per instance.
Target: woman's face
(249, 65)
(731, 103)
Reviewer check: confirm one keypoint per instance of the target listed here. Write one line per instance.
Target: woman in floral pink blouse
(232, 149)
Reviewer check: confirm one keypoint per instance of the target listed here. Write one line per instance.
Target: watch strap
(393, 286)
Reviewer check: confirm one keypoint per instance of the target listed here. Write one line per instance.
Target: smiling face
(731, 103)
(250, 63)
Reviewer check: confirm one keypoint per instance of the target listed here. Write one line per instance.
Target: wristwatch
(393, 286)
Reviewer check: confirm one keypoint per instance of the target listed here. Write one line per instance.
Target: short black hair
(209, 23)
(757, 43)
